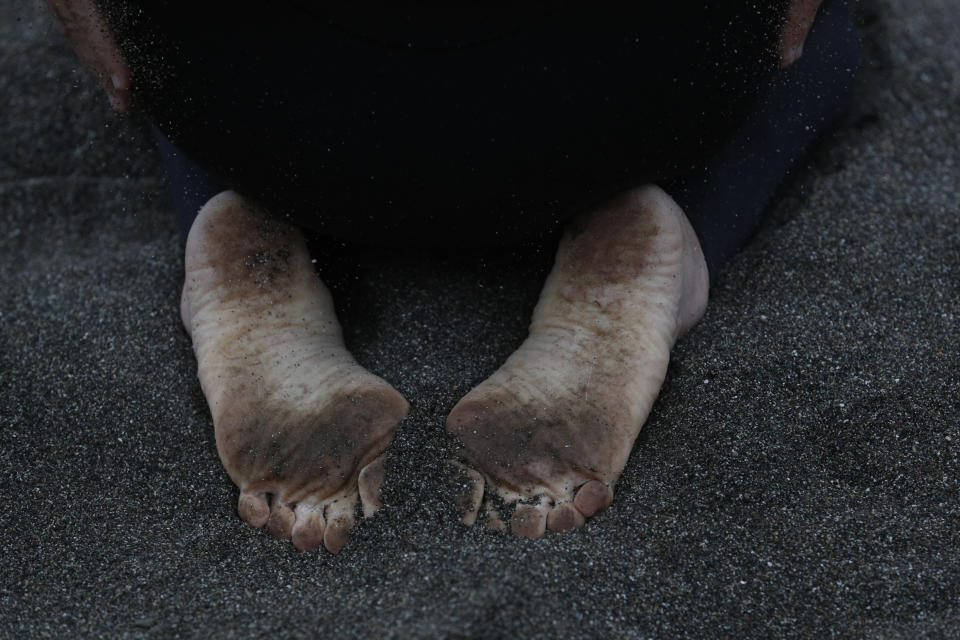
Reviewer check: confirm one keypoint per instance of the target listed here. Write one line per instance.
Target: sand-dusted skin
(300, 426)
(549, 433)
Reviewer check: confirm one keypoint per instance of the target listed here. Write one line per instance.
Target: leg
(190, 186)
(299, 424)
(551, 430)
(564, 410)
(725, 199)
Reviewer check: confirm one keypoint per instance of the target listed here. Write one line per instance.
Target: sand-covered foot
(549, 433)
(300, 426)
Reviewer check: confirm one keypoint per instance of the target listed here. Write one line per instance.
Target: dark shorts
(493, 135)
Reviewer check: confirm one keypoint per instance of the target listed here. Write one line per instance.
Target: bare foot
(550, 431)
(300, 426)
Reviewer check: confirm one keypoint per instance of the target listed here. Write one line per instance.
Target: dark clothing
(496, 135)
(725, 197)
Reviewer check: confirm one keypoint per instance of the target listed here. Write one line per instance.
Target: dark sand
(798, 477)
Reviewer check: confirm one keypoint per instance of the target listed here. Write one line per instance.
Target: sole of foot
(300, 426)
(546, 437)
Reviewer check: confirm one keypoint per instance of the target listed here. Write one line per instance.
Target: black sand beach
(798, 476)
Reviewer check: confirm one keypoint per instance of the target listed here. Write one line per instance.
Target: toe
(339, 522)
(492, 519)
(337, 534)
(593, 498)
(369, 483)
(564, 517)
(280, 522)
(467, 487)
(529, 521)
(307, 533)
(253, 509)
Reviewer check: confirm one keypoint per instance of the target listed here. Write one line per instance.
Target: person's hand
(799, 19)
(84, 28)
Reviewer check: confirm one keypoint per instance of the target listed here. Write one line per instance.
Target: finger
(117, 85)
(85, 30)
(799, 19)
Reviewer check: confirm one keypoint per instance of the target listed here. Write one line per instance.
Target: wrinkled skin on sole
(300, 426)
(548, 434)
